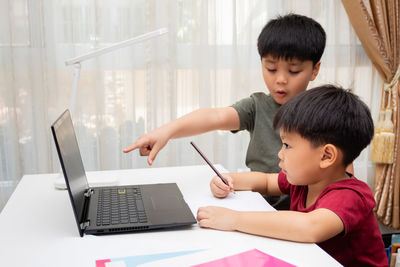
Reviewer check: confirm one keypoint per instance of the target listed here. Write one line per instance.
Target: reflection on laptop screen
(71, 160)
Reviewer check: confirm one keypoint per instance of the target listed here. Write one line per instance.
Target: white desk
(37, 227)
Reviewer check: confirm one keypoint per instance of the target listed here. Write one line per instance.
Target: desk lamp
(76, 63)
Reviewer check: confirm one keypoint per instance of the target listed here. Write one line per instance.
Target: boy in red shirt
(322, 130)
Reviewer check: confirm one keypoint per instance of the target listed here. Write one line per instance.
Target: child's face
(299, 159)
(287, 78)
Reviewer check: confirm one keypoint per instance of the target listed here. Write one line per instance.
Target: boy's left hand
(217, 218)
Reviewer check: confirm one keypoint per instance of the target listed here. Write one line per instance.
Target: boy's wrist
(169, 130)
(236, 219)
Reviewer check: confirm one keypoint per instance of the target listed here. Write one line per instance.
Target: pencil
(210, 164)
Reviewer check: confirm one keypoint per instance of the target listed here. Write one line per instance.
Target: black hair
(292, 36)
(328, 115)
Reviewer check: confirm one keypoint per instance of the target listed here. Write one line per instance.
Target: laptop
(115, 209)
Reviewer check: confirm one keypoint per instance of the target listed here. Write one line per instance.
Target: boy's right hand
(149, 145)
(218, 188)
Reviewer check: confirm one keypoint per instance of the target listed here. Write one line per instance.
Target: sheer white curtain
(208, 59)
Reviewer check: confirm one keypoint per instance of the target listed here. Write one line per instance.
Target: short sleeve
(347, 204)
(283, 183)
(246, 109)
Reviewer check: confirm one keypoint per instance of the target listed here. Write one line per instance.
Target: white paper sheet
(240, 200)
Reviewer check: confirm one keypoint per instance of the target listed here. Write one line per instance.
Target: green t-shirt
(256, 114)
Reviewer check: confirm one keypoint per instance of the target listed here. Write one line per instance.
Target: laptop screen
(71, 161)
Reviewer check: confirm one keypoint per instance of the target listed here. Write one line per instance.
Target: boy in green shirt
(290, 48)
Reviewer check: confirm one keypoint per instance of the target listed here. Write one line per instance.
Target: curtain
(376, 23)
(208, 59)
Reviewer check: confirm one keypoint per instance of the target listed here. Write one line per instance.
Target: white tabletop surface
(37, 226)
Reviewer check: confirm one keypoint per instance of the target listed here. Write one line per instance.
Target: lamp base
(93, 181)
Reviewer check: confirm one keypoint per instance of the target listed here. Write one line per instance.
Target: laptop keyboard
(120, 206)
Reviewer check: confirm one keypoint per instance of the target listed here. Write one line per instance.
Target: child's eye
(294, 72)
(271, 70)
(286, 145)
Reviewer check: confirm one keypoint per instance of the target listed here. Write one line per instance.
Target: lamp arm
(116, 46)
(76, 61)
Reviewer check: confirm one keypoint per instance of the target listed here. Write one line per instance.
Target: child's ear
(315, 71)
(329, 156)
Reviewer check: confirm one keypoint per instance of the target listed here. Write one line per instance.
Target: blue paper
(132, 261)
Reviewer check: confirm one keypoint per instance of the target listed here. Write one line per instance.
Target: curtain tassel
(375, 151)
(383, 142)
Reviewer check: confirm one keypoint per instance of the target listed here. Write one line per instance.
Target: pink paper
(254, 258)
(102, 263)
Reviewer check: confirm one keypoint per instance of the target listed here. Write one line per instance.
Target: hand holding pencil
(219, 189)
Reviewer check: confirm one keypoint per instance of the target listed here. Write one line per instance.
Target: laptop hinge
(84, 225)
(89, 192)
(85, 222)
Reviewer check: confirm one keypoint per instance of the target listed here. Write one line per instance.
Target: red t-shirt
(360, 244)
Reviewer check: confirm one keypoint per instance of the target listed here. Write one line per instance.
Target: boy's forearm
(202, 121)
(263, 183)
(287, 225)
(251, 181)
(316, 226)
(194, 123)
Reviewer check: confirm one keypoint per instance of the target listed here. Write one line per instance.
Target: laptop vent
(126, 229)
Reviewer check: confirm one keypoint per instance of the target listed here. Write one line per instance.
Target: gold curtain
(376, 23)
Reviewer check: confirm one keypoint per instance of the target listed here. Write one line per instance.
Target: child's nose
(280, 153)
(281, 78)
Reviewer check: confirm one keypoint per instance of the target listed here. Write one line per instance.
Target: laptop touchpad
(166, 202)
